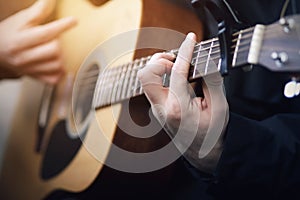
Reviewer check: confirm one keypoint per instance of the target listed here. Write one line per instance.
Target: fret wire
(102, 93)
(98, 89)
(213, 47)
(211, 58)
(133, 74)
(219, 64)
(115, 73)
(206, 49)
(209, 41)
(243, 49)
(206, 42)
(216, 39)
(203, 53)
(103, 90)
(210, 72)
(244, 37)
(117, 83)
(194, 73)
(244, 30)
(143, 62)
(121, 82)
(206, 55)
(217, 45)
(218, 56)
(207, 63)
(104, 86)
(242, 42)
(199, 49)
(126, 80)
(109, 86)
(236, 49)
(140, 65)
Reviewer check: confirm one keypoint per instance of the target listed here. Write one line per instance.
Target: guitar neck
(206, 57)
(120, 83)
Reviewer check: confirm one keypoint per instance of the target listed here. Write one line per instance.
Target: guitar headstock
(280, 45)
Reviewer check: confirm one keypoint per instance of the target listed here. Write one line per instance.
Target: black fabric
(260, 159)
(261, 156)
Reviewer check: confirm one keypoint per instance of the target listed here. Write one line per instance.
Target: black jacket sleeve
(260, 159)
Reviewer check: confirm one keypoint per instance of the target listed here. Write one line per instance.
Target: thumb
(39, 11)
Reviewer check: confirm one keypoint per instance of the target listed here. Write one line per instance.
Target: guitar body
(48, 156)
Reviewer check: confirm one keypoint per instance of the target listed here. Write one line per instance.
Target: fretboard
(119, 83)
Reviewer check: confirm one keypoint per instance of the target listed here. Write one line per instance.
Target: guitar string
(196, 46)
(202, 43)
(197, 51)
(133, 90)
(106, 96)
(215, 39)
(215, 50)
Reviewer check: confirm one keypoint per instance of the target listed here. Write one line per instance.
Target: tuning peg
(287, 24)
(292, 88)
(280, 58)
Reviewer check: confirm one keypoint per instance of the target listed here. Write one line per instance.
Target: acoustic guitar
(94, 131)
(45, 152)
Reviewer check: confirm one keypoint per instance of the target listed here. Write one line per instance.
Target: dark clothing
(261, 156)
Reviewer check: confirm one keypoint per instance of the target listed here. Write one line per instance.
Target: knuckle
(18, 60)
(34, 16)
(173, 111)
(142, 76)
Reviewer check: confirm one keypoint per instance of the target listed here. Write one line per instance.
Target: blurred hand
(196, 123)
(29, 48)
